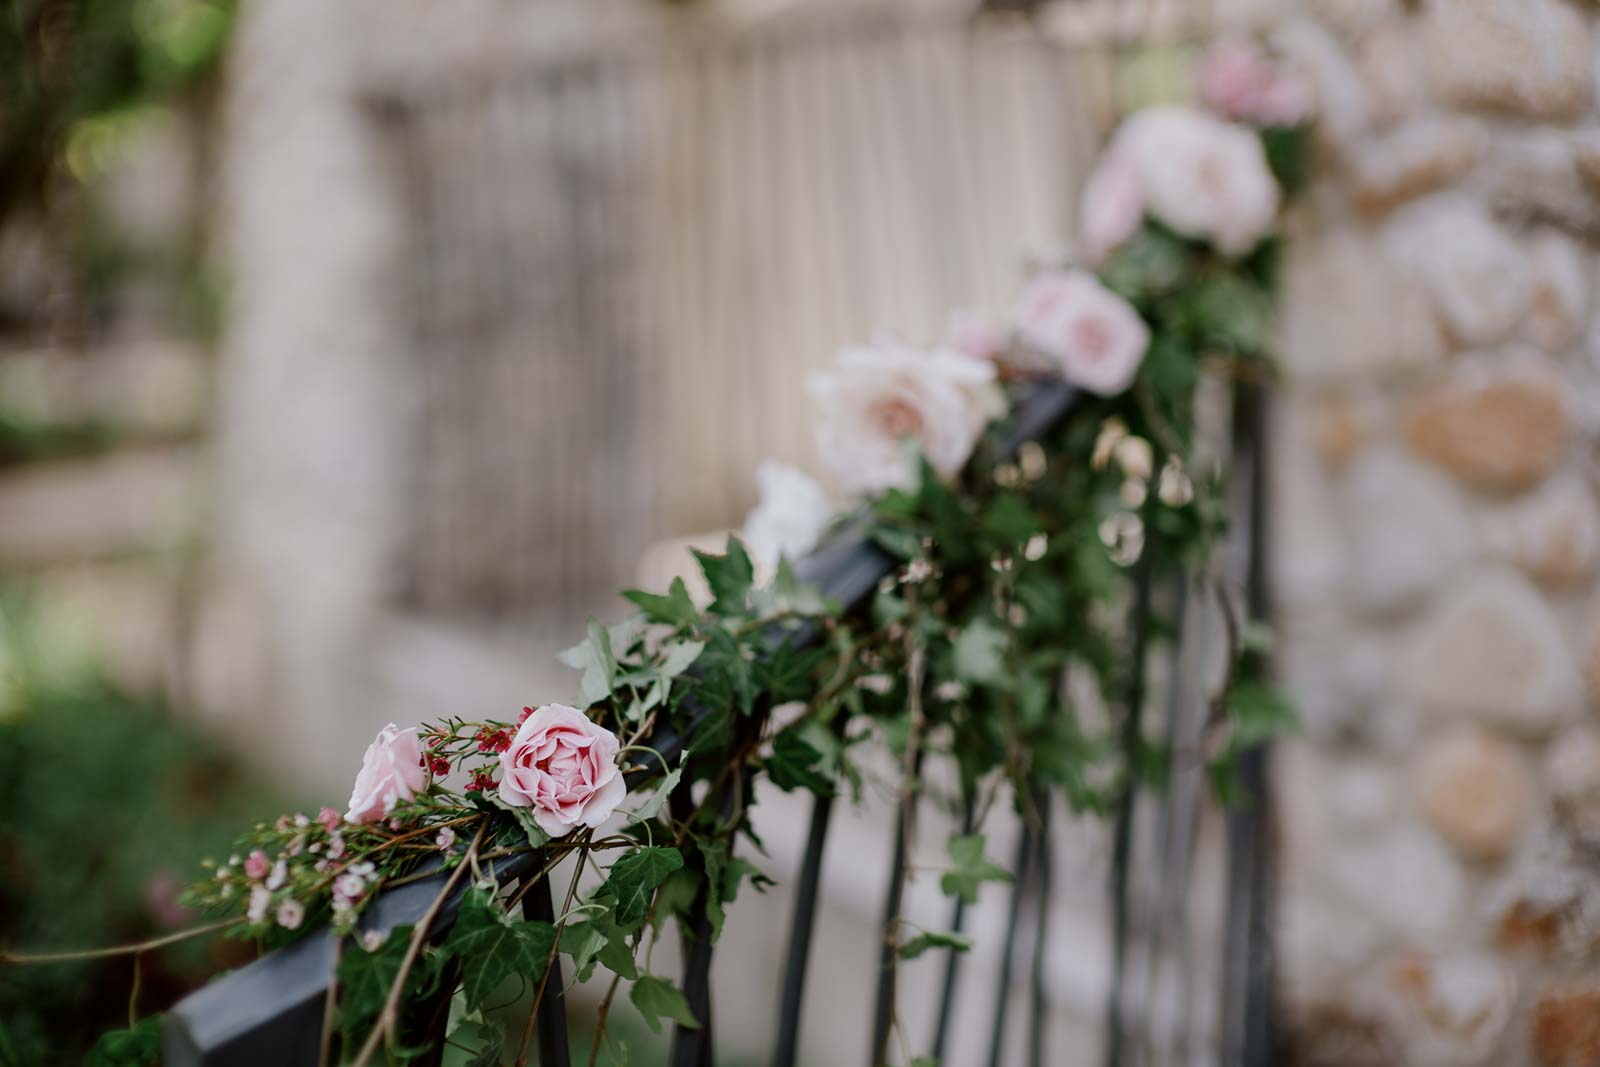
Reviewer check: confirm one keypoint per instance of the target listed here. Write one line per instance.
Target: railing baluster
(800, 928)
(1008, 957)
(883, 1013)
(1037, 1008)
(552, 1022)
(1122, 847)
(952, 958)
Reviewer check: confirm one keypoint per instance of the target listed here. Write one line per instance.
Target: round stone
(1474, 790)
(1495, 428)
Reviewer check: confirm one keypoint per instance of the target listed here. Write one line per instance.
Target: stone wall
(1439, 534)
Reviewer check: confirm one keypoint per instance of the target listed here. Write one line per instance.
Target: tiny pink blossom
(291, 913)
(1239, 81)
(260, 900)
(330, 819)
(372, 940)
(446, 838)
(1094, 335)
(349, 888)
(564, 767)
(391, 772)
(257, 866)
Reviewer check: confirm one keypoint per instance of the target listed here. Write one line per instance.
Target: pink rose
(1094, 335)
(391, 771)
(564, 767)
(1239, 81)
(1112, 205)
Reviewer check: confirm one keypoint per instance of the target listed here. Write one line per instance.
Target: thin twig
(329, 1001)
(117, 950)
(600, 1018)
(391, 1003)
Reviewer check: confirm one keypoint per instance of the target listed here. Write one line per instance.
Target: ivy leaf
(899, 542)
(492, 946)
(598, 940)
(916, 946)
(135, 1047)
(523, 815)
(652, 807)
(793, 765)
(490, 1040)
(675, 609)
(970, 868)
(597, 662)
(657, 999)
(676, 895)
(729, 576)
(633, 879)
(680, 655)
(980, 653)
(727, 679)
(367, 976)
(1258, 711)
(785, 675)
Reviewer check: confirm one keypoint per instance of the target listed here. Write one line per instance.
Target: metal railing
(273, 1011)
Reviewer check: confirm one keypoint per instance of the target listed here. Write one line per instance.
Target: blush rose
(1095, 337)
(564, 767)
(391, 772)
(878, 398)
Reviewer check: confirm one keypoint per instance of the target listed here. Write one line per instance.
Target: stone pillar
(1439, 534)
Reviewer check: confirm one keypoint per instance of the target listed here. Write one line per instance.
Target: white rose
(1112, 205)
(1203, 177)
(1095, 337)
(789, 518)
(879, 397)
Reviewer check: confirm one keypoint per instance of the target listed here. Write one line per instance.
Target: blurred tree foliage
(73, 72)
(107, 802)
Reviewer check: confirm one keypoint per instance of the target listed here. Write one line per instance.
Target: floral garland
(1008, 571)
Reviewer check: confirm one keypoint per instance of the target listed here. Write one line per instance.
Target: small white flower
(878, 399)
(364, 869)
(950, 691)
(280, 873)
(789, 518)
(320, 866)
(335, 846)
(446, 838)
(372, 940)
(291, 913)
(233, 860)
(260, 900)
(876, 683)
(301, 820)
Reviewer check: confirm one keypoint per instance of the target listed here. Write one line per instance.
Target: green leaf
(970, 868)
(367, 976)
(523, 815)
(916, 946)
(727, 679)
(135, 1047)
(1258, 711)
(675, 609)
(980, 653)
(492, 946)
(657, 999)
(597, 662)
(680, 655)
(652, 807)
(899, 542)
(729, 576)
(633, 879)
(793, 764)
(598, 940)
(785, 674)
